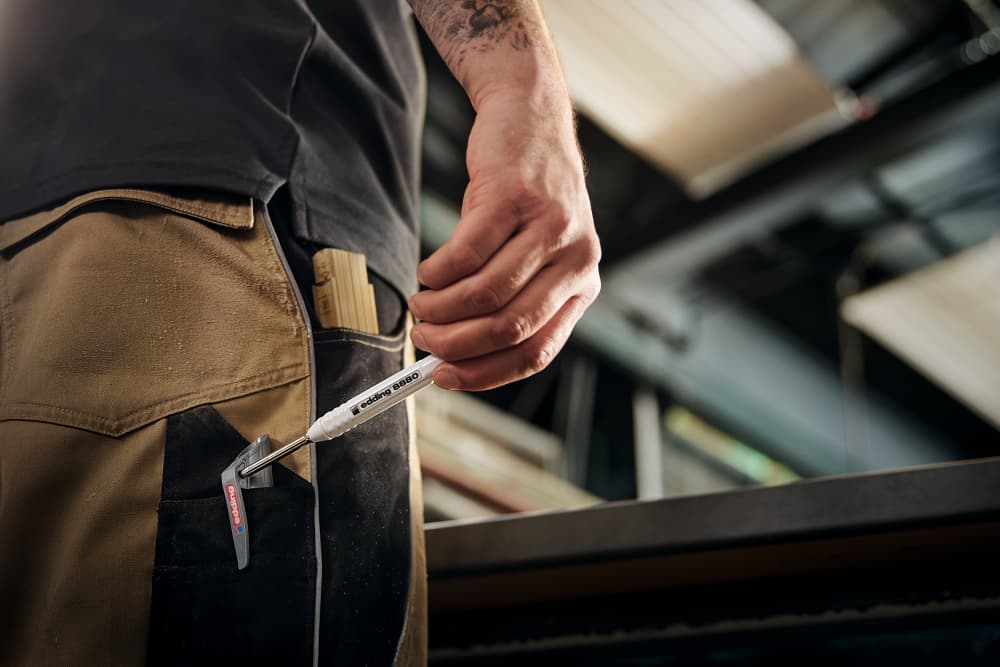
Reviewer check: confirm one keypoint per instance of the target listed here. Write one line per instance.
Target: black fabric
(364, 507)
(326, 96)
(363, 475)
(203, 608)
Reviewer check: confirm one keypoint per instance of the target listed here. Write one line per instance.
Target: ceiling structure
(945, 321)
(704, 89)
(724, 293)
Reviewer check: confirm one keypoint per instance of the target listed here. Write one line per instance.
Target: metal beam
(775, 195)
(856, 504)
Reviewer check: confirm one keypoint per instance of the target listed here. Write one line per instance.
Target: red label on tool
(234, 509)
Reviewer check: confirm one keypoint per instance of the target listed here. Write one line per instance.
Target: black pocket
(364, 505)
(202, 606)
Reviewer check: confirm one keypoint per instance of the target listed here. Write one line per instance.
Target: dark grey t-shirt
(324, 96)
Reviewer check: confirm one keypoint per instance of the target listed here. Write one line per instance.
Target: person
(169, 170)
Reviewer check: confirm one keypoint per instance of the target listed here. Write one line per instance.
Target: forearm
(521, 266)
(496, 47)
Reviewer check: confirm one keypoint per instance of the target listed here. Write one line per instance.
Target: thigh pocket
(123, 306)
(363, 504)
(203, 607)
(364, 472)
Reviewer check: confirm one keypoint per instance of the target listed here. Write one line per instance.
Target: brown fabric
(77, 532)
(280, 413)
(117, 309)
(114, 286)
(412, 650)
(225, 210)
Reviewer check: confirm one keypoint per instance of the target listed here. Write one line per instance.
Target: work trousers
(146, 337)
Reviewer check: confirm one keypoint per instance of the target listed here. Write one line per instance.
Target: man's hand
(521, 266)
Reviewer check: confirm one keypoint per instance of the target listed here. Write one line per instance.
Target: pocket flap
(140, 306)
(235, 211)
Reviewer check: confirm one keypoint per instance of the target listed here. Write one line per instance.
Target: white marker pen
(357, 410)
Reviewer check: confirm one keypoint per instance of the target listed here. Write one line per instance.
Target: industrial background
(799, 205)
(795, 200)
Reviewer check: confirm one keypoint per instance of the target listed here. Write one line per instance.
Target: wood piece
(342, 284)
(324, 296)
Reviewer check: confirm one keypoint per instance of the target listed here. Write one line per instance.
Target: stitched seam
(335, 333)
(301, 315)
(290, 304)
(407, 616)
(250, 383)
(200, 564)
(362, 341)
(270, 244)
(6, 333)
(189, 208)
(132, 195)
(154, 199)
(277, 492)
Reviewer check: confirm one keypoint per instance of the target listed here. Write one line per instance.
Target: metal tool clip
(232, 488)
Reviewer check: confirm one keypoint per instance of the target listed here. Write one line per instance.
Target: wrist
(525, 79)
(542, 110)
(535, 111)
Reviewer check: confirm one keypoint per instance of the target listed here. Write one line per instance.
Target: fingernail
(420, 273)
(418, 339)
(415, 308)
(446, 379)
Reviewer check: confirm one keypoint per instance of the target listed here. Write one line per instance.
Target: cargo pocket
(125, 313)
(203, 608)
(123, 306)
(364, 504)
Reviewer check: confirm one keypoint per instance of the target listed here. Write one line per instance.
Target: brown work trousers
(145, 338)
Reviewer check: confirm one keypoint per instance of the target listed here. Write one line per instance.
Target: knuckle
(537, 357)
(591, 288)
(424, 308)
(465, 258)
(510, 330)
(521, 201)
(524, 194)
(445, 348)
(591, 252)
(511, 282)
(485, 298)
(559, 227)
(574, 308)
(520, 194)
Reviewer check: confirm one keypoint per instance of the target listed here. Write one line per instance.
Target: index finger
(479, 234)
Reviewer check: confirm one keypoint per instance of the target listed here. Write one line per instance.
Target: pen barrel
(374, 400)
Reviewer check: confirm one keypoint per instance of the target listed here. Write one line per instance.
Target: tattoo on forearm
(459, 29)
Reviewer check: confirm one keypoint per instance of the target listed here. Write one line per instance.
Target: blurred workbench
(846, 569)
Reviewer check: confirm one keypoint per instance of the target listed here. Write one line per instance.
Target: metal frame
(833, 571)
(939, 495)
(771, 197)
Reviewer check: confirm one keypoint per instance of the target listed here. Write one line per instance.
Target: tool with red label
(232, 488)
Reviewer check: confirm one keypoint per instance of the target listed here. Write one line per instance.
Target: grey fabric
(326, 97)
